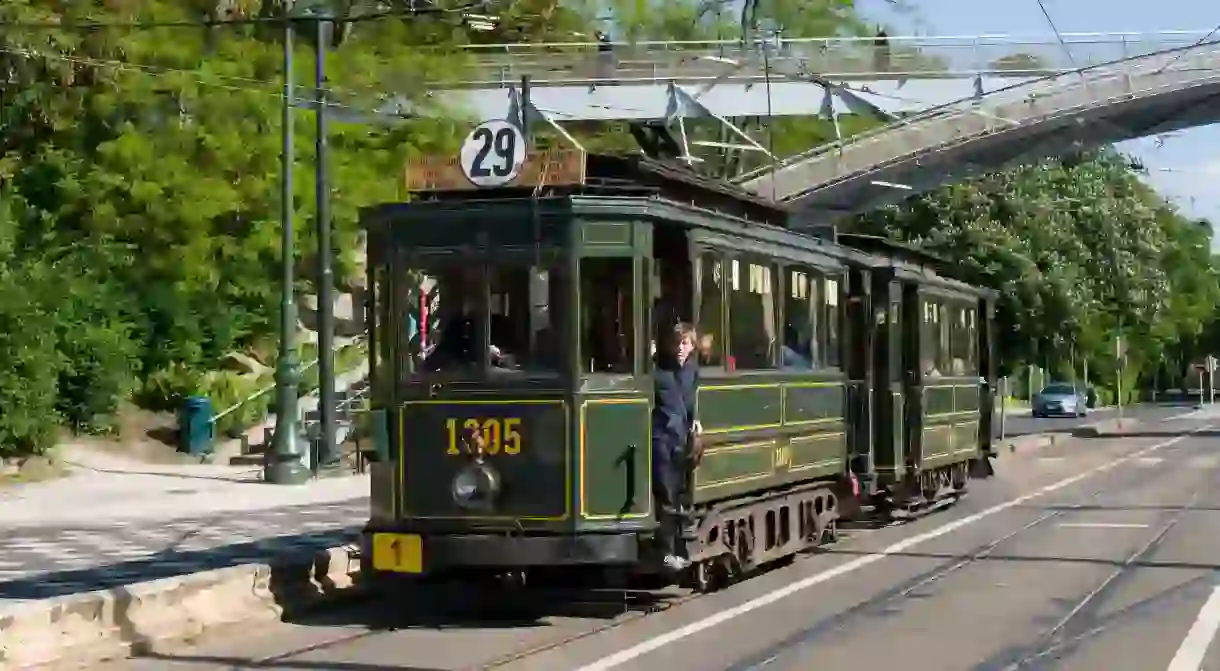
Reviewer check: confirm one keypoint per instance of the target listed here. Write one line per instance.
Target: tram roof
(638, 176)
(611, 175)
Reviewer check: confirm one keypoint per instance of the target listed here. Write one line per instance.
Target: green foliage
(28, 390)
(1081, 250)
(140, 195)
(227, 389)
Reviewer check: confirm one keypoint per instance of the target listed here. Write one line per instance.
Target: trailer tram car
(840, 378)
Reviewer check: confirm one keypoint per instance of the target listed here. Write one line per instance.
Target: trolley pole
(1119, 367)
(1003, 404)
(327, 454)
(285, 466)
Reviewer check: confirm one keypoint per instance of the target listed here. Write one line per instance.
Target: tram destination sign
(549, 167)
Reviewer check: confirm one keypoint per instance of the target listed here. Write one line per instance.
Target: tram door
(889, 381)
(985, 319)
(861, 334)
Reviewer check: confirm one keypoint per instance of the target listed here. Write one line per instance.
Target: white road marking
(1194, 647)
(1193, 414)
(1204, 462)
(1102, 525)
(1148, 461)
(647, 646)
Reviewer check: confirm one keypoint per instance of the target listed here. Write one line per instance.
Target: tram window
(522, 334)
(831, 319)
(800, 348)
(934, 338)
(607, 290)
(962, 341)
(440, 315)
(449, 320)
(379, 316)
(752, 322)
(711, 309)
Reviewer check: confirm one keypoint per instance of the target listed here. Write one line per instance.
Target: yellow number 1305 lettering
(499, 434)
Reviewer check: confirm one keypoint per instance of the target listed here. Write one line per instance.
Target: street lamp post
(327, 453)
(284, 465)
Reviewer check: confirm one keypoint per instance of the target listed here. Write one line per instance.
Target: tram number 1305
(500, 434)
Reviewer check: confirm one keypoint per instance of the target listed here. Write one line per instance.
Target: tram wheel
(702, 578)
(712, 574)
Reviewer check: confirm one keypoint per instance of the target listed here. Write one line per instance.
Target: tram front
(470, 387)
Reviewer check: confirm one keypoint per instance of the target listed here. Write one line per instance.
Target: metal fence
(838, 57)
(1188, 65)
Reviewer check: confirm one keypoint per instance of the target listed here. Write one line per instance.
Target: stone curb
(1037, 441)
(1031, 442)
(83, 629)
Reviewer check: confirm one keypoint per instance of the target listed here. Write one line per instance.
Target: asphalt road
(1024, 424)
(1082, 559)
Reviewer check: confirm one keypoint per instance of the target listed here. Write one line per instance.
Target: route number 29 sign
(493, 153)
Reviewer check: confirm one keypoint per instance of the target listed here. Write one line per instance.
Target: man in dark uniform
(674, 427)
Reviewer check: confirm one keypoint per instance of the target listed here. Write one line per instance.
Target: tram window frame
(963, 339)
(935, 316)
(752, 275)
(831, 322)
(485, 302)
(802, 286)
(712, 353)
(627, 365)
(382, 331)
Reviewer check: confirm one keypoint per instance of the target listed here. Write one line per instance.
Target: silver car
(1060, 400)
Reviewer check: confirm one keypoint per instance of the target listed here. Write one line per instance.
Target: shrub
(29, 364)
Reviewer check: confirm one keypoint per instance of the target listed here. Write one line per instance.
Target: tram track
(895, 595)
(982, 552)
(1052, 640)
(635, 606)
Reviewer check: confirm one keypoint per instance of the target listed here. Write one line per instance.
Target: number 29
(499, 435)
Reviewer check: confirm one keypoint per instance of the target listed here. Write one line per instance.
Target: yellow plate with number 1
(398, 553)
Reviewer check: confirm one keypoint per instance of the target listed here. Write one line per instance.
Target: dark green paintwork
(586, 463)
(616, 451)
(535, 480)
(769, 431)
(951, 422)
(733, 408)
(813, 402)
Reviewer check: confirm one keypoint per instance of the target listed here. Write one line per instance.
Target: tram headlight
(476, 486)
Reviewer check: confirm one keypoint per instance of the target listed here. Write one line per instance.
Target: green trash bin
(196, 428)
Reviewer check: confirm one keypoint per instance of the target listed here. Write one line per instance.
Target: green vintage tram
(839, 377)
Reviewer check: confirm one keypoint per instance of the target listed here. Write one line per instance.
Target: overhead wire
(201, 78)
(1059, 36)
(1181, 53)
(239, 21)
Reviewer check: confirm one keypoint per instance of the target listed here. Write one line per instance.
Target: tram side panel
(945, 390)
(614, 456)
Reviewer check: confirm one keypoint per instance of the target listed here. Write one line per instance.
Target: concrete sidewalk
(116, 522)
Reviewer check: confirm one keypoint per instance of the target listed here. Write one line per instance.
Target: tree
(1080, 250)
(139, 198)
(139, 175)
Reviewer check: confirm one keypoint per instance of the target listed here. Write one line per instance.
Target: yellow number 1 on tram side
(500, 434)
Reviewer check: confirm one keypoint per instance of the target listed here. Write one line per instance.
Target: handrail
(1025, 39)
(662, 61)
(966, 104)
(305, 368)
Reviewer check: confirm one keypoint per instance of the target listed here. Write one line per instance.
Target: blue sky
(1187, 167)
